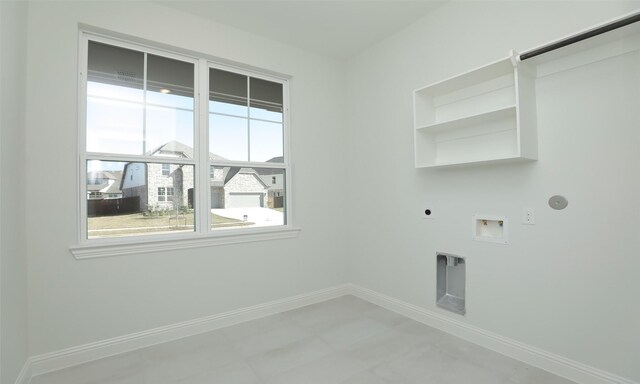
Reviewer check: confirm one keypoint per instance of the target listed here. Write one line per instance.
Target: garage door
(216, 199)
(242, 200)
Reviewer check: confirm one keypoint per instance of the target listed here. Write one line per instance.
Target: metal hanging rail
(583, 36)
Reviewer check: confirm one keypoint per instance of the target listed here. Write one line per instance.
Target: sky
(116, 117)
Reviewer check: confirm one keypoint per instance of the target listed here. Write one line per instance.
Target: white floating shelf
(474, 76)
(478, 161)
(488, 114)
(484, 115)
(467, 121)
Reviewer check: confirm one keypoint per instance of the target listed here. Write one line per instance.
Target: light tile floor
(340, 341)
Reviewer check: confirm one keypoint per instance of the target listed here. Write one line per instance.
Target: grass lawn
(136, 223)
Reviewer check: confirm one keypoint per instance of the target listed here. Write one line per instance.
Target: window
(246, 144)
(145, 142)
(95, 195)
(165, 194)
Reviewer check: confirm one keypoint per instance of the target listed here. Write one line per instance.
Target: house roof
(246, 171)
(95, 187)
(271, 171)
(113, 187)
(176, 148)
(277, 159)
(254, 173)
(230, 172)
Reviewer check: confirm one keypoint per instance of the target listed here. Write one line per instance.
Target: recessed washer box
(490, 228)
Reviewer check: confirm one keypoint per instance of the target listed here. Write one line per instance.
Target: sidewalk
(260, 216)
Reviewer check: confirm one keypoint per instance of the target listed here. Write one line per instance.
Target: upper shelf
(475, 76)
(483, 115)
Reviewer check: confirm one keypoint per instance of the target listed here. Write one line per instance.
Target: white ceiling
(336, 29)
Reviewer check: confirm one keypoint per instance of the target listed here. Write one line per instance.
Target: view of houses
(256, 194)
(104, 185)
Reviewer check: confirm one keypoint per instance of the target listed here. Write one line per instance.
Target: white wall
(75, 302)
(13, 278)
(568, 284)
(564, 285)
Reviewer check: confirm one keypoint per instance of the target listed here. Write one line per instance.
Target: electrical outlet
(528, 216)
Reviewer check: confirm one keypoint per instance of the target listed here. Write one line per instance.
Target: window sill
(124, 246)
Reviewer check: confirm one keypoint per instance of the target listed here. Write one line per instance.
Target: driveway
(260, 216)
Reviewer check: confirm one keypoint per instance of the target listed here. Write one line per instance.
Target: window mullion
(287, 153)
(248, 118)
(245, 164)
(144, 106)
(203, 182)
(82, 141)
(140, 159)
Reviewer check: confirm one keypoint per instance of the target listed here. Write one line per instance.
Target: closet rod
(583, 36)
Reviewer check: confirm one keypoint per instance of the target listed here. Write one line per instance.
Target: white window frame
(203, 235)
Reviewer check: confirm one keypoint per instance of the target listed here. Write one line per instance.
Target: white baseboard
(561, 366)
(77, 355)
(24, 377)
(572, 370)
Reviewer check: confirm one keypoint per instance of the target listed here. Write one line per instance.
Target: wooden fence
(108, 207)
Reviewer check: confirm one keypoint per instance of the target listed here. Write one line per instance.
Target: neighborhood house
(170, 186)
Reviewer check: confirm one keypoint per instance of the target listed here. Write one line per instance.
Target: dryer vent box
(451, 280)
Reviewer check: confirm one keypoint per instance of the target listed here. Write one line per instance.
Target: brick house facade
(169, 186)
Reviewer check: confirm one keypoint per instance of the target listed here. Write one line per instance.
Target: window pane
(129, 199)
(260, 111)
(116, 66)
(266, 100)
(266, 141)
(247, 197)
(114, 119)
(115, 97)
(227, 93)
(266, 91)
(240, 138)
(229, 137)
(124, 119)
(169, 102)
(167, 125)
(169, 81)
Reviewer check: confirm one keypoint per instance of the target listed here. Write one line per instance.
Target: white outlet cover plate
(528, 216)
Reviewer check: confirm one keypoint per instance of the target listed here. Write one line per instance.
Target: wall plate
(490, 228)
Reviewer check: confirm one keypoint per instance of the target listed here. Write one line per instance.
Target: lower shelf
(495, 140)
(478, 161)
